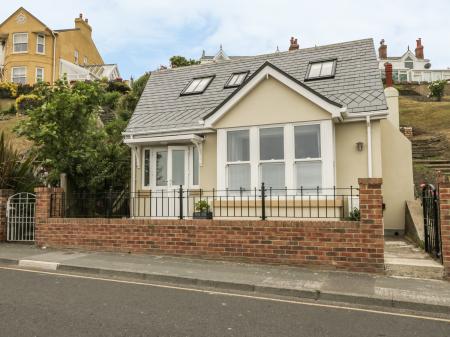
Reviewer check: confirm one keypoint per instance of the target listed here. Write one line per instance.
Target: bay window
(293, 156)
(19, 75)
(20, 42)
(238, 160)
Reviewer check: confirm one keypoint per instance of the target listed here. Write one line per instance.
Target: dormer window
(197, 85)
(236, 80)
(320, 70)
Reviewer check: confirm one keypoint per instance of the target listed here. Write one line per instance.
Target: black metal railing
(431, 217)
(262, 203)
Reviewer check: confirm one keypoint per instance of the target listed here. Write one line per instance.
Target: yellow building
(30, 51)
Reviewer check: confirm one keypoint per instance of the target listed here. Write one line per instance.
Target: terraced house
(306, 123)
(30, 51)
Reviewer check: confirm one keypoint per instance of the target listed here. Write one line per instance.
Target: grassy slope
(427, 117)
(7, 126)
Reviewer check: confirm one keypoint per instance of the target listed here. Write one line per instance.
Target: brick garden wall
(353, 246)
(444, 201)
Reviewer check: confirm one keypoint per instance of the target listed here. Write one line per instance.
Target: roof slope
(356, 85)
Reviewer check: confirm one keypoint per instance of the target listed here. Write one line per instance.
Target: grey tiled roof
(356, 85)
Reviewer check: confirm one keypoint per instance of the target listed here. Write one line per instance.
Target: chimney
(294, 44)
(419, 49)
(382, 51)
(81, 15)
(83, 24)
(388, 70)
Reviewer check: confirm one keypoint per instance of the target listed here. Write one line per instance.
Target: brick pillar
(43, 202)
(371, 212)
(388, 70)
(444, 202)
(4, 196)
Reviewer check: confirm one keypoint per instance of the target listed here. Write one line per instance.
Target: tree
(181, 61)
(437, 89)
(16, 172)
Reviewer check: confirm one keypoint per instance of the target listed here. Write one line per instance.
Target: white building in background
(411, 67)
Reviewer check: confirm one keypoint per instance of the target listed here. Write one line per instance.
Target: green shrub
(202, 206)
(27, 102)
(437, 89)
(119, 86)
(24, 89)
(8, 90)
(354, 215)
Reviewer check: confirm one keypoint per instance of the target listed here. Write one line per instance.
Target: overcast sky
(140, 35)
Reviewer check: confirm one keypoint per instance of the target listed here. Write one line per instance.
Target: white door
(171, 173)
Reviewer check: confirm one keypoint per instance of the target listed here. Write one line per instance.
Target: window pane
(233, 80)
(327, 68)
(307, 141)
(147, 168)
(238, 177)
(39, 74)
(195, 170)
(193, 85)
(272, 175)
(271, 143)
(241, 78)
(203, 83)
(238, 145)
(314, 70)
(178, 168)
(161, 168)
(309, 175)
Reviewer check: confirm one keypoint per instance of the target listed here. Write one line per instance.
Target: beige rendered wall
(271, 102)
(398, 186)
(351, 164)
(208, 172)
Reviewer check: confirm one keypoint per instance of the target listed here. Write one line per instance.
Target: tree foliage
(437, 89)
(69, 137)
(181, 61)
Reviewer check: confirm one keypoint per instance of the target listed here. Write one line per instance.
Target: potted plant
(202, 209)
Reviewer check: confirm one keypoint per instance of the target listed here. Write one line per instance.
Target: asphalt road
(45, 305)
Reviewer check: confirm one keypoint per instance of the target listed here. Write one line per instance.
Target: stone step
(416, 268)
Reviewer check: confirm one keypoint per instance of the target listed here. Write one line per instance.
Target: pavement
(355, 288)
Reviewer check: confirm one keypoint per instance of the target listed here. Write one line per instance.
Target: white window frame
(12, 74)
(271, 161)
(36, 74)
(327, 147)
(189, 162)
(239, 162)
(38, 44)
(14, 43)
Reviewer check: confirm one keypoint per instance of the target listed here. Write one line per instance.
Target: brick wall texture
(444, 201)
(347, 245)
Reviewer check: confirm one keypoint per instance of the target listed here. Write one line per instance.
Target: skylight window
(236, 80)
(197, 85)
(324, 69)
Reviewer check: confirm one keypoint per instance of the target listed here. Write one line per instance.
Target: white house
(411, 67)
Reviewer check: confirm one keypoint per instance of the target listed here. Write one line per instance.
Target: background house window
(324, 69)
(76, 56)
(308, 161)
(20, 42)
(19, 75)
(409, 63)
(85, 61)
(236, 80)
(197, 85)
(39, 74)
(272, 165)
(238, 159)
(40, 44)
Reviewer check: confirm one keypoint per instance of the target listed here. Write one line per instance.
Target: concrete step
(416, 268)
(403, 259)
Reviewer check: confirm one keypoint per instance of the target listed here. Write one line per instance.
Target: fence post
(4, 196)
(371, 214)
(180, 197)
(444, 207)
(263, 202)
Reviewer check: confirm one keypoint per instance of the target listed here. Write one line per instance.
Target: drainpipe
(369, 147)
(54, 56)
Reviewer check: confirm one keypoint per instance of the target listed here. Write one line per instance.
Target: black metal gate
(432, 230)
